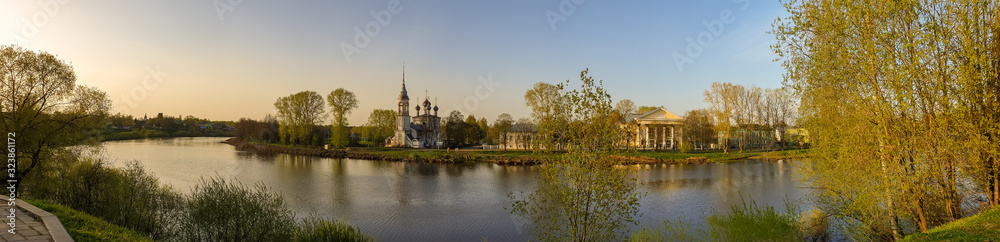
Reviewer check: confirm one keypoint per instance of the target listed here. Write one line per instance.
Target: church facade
(420, 131)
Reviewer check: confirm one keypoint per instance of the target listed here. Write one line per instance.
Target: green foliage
(581, 197)
(84, 227)
(754, 223)
(743, 223)
(231, 211)
(297, 114)
(128, 197)
(341, 103)
(685, 147)
(382, 125)
(45, 109)
(901, 102)
(318, 229)
(582, 194)
(984, 226)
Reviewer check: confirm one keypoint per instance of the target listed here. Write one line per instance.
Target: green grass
(84, 227)
(984, 226)
(488, 155)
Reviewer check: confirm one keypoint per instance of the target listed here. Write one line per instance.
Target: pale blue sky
(236, 65)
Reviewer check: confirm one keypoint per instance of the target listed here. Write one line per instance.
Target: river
(397, 201)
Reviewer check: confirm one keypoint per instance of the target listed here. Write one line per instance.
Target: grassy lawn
(984, 226)
(672, 155)
(84, 227)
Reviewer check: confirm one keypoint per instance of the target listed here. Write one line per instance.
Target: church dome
(427, 104)
(435, 108)
(418, 108)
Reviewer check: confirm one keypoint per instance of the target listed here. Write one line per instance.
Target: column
(671, 137)
(646, 130)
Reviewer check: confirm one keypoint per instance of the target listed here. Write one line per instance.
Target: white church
(420, 131)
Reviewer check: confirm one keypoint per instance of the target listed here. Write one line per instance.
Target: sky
(229, 59)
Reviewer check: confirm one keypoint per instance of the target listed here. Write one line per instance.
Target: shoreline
(516, 158)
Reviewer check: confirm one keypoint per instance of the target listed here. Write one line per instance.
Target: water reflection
(419, 201)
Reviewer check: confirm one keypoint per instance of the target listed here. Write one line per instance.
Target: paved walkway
(27, 227)
(31, 224)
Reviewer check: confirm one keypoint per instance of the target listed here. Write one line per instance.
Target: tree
(548, 109)
(897, 99)
(644, 109)
(454, 129)
(722, 98)
(501, 127)
(297, 114)
(472, 131)
(341, 103)
(484, 128)
(43, 111)
(625, 107)
(383, 124)
(582, 195)
(698, 127)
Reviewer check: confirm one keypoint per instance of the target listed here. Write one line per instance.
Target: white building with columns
(657, 129)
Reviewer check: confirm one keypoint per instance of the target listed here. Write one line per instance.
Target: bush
(685, 147)
(753, 223)
(318, 229)
(231, 211)
(745, 223)
(128, 197)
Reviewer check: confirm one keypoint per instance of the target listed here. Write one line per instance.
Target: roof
(656, 115)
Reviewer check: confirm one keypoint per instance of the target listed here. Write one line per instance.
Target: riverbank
(149, 133)
(984, 226)
(518, 157)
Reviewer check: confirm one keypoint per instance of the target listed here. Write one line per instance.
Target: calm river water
(398, 201)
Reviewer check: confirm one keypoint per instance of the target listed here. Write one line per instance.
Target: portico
(657, 129)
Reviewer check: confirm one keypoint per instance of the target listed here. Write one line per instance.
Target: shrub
(685, 147)
(753, 223)
(231, 211)
(129, 197)
(318, 229)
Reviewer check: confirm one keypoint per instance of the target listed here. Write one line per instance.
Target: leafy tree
(297, 114)
(582, 194)
(500, 129)
(44, 110)
(698, 127)
(548, 109)
(722, 98)
(625, 107)
(472, 130)
(341, 103)
(454, 129)
(644, 109)
(898, 97)
(383, 124)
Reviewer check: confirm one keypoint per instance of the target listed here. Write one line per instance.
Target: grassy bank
(984, 226)
(515, 156)
(84, 227)
(149, 133)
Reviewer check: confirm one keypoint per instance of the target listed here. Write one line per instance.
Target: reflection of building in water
(420, 131)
